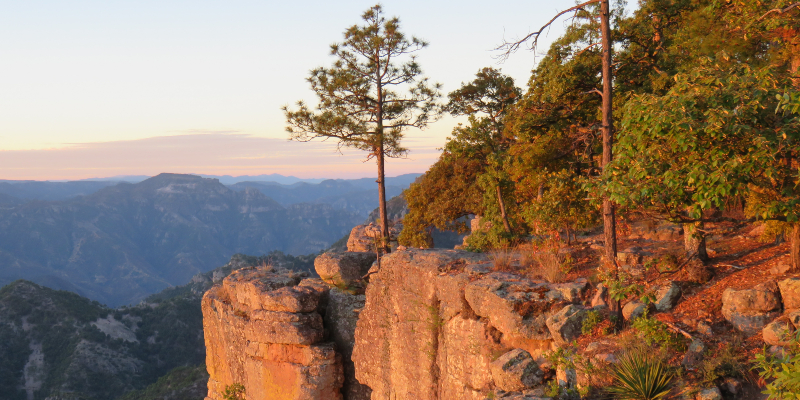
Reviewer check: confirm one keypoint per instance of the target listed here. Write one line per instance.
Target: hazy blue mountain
(357, 195)
(51, 191)
(127, 241)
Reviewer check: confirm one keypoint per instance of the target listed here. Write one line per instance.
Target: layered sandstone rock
(263, 331)
(436, 320)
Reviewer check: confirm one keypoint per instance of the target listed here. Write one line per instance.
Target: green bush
(235, 391)
(593, 318)
(639, 376)
(727, 361)
(653, 331)
(782, 373)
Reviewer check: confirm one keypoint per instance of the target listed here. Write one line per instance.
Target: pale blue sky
(80, 80)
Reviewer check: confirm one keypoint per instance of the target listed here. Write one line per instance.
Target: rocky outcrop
(363, 237)
(435, 320)
(749, 310)
(263, 330)
(667, 296)
(343, 269)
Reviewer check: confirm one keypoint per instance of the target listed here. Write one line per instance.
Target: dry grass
(502, 259)
(553, 267)
(527, 256)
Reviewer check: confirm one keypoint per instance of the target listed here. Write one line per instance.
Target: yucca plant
(639, 376)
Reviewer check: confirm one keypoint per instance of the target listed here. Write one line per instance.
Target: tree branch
(780, 10)
(509, 48)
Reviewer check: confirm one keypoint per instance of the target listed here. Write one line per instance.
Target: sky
(105, 88)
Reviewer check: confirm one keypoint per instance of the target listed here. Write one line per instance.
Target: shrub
(501, 258)
(653, 331)
(639, 376)
(727, 361)
(553, 267)
(593, 318)
(782, 373)
(235, 391)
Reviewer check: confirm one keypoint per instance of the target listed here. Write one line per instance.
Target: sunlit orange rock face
(263, 330)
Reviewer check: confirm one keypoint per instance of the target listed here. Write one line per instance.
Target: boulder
(633, 310)
(515, 306)
(794, 318)
(340, 319)
(667, 296)
(565, 325)
(778, 333)
(709, 394)
(600, 296)
(572, 292)
(780, 269)
(750, 310)
(731, 386)
(363, 237)
(694, 355)
(790, 293)
(516, 371)
(343, 269)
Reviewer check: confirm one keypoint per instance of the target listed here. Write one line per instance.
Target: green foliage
(655, 332)
(639, 376)
(726, 361)
(182, 383)
(705, 140)
(235, 391)
(593, 318)
(782, 373)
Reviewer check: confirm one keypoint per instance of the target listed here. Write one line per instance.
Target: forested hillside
(706, 122)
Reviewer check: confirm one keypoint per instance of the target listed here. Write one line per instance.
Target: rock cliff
(263, 332)
(431, 324)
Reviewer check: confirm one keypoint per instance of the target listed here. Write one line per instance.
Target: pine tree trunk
(794, 250)
(609, 218)
(382, 203)
(502, 205)
(694, 240)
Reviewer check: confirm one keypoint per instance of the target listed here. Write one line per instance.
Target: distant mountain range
(357, 195)
(124, 242)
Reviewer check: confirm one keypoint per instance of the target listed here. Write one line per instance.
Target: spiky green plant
(639, 376)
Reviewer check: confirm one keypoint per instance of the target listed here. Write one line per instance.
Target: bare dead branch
(510, 47)
(594, 91)
(780, 10)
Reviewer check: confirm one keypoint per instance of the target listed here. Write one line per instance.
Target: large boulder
(750, 310)
(566, 324)
(778, 333)
(667, 296)
(343, 269)
(790, 293)
(515, 306)
(516, 371)
(633, 310)
(363, 237)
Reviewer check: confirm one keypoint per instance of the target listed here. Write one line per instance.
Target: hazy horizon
(88, 86)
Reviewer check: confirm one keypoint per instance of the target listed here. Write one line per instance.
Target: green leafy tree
(454, 187)
(368, 97)
(710, 137)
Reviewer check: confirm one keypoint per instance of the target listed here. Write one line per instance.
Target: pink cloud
(203, 153)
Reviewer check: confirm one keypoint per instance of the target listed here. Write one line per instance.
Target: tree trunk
(502, 209)
(382, 203)
(694, 240)
(609, 218)
(794, 251)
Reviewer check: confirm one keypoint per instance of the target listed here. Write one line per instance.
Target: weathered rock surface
(565, 325)
(633, 310)
(434, 321)
(790, 293)
(262, 331)
(600, 296)
(778, 332)
(694, 355)
(750, 310)
(340, 319)
(709, 394)
(343, 269)
(516, 371)
(667, 296)
(362, 237)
